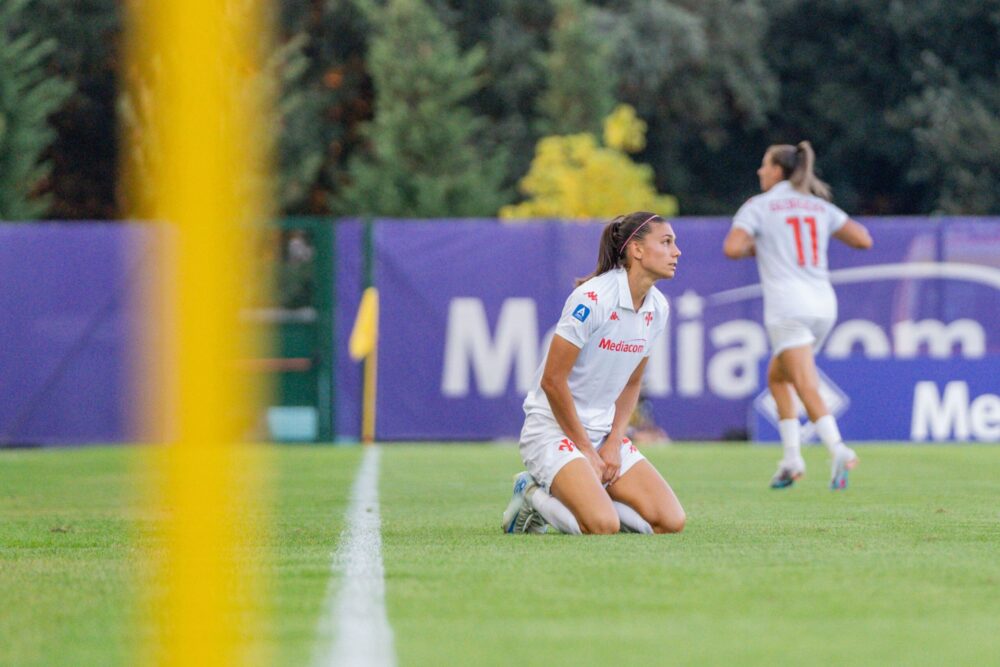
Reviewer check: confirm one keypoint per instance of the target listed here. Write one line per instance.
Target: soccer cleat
(843, 461)
(788, 473)
(520, 517)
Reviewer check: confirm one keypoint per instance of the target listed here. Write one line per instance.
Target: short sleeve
(579, 320)
(837, 218)
(747, 219)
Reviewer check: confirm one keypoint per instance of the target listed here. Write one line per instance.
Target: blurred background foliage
(437, 107)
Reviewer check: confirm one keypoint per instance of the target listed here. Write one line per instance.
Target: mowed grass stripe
(899, 569)
(68, 565)
(76, 539)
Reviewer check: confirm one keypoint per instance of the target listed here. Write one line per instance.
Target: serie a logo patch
(581, 313)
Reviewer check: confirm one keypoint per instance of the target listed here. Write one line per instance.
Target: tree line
(432, 108)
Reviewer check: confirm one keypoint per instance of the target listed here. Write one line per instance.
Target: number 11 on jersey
(797, 230)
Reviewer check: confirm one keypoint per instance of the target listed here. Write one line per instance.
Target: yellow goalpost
(198, 172)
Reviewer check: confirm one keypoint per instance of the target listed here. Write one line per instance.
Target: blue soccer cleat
(520, 517)
(844, 461)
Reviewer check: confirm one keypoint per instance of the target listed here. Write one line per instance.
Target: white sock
(553, 511)
(826, 428)
(791, 440)
(629, 517)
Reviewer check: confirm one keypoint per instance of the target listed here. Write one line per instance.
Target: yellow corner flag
(364, 335)
(364, 345)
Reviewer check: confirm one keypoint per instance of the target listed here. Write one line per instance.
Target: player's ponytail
(615, 238)
(797, 164)
(802, 177)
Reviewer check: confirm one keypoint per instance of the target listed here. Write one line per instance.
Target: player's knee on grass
(669, 522)
(600, 523)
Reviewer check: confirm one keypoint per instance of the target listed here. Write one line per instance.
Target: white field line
(354, 628)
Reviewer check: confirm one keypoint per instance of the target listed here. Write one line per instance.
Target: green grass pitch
(902, 568)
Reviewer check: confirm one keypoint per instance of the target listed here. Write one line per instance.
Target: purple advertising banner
(64, 334)
(348, 281)
(467, 309)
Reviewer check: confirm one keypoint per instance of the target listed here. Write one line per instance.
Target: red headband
(636, 231)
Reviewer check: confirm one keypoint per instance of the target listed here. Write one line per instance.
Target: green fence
(298, 314)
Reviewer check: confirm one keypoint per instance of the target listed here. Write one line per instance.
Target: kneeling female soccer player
(583, 475)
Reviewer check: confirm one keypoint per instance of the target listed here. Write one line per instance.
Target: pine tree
(580, 83)
(423, 160)
(28, 96)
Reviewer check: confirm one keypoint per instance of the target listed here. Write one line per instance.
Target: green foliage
(956, 131)
(696, 70)
(898, 98)
(423, 160)
(325, 95)
(513, 33)
(837, 88)
(580, 82)
(28, 96)
(300, 144)
(85, 149)
(951, 114)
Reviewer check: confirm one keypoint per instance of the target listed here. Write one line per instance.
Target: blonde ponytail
(802, 177)
(797, 163)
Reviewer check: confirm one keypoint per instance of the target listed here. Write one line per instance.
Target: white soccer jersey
(613, 338)
(792, 231)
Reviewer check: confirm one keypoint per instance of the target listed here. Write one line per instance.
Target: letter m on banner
(469, 345)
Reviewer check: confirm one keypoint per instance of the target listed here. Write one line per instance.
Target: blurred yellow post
(364, 345)
(196, 161)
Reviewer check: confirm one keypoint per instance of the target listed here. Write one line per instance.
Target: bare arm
(555, 384)
(627, 400)
(854, 234)
(738, 244)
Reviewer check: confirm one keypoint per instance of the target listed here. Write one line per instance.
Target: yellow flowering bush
(573, 176)
(624, 130)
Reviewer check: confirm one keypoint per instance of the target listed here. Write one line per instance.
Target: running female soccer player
(583, 475)
(788, 228)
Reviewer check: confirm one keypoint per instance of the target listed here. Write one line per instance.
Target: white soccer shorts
(545, 449)
(788, 333)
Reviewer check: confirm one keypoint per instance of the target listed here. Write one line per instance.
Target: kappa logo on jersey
(566, 445)
(649, 318)
(614, 315)
(592, 296)
(581, 313)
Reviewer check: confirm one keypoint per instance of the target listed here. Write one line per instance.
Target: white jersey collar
(782, 186)
(625, 293)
